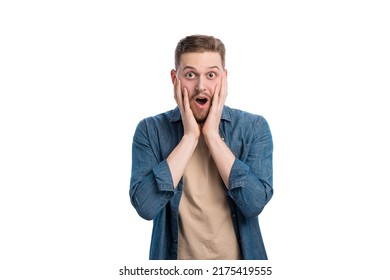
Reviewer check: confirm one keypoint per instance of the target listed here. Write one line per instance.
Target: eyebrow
(193, 68)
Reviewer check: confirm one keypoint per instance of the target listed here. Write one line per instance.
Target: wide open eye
(190, 75)
(211, 75)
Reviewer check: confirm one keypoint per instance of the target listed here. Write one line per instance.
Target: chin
(201, 117)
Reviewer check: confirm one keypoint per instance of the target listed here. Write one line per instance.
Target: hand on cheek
(190, 125)
(219, 97)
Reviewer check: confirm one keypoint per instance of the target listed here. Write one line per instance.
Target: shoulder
(241, 117)
(161, 119)
(161, 125)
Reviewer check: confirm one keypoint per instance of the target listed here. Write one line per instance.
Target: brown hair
(199, 43)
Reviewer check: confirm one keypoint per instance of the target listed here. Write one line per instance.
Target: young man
(203, 171)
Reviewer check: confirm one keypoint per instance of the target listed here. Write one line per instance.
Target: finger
(186, 101)
(224, 88)
(222, 92)
(174, 87)
(217, 92)
(216, 96)
(178, 94)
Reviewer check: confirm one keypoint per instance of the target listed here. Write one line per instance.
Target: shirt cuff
(238, 174)
(163, 176)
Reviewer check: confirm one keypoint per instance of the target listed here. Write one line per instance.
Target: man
(203, 171)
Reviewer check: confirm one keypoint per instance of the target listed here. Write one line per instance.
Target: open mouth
(201, 101)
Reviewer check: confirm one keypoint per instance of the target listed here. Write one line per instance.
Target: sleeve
(151, 184)
(251, 179)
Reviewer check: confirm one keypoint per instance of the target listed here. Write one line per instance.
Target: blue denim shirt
(250, 183)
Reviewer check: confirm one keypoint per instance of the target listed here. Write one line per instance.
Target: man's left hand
(211, 126)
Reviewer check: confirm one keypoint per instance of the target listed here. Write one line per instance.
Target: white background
(77, 76)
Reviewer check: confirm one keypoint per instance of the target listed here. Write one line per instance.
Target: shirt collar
(226, 114)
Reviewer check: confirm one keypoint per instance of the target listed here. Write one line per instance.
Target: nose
(201, 85)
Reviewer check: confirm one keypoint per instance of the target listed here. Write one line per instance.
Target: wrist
(211, 136)
(191, 138)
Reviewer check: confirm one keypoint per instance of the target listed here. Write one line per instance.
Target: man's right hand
(179, 157)
(191, 127)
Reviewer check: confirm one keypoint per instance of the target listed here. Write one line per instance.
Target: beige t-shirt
(205, 225)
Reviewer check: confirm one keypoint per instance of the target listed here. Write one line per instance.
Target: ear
(173, 75)
(225, 72)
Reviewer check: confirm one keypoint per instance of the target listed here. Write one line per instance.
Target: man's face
(199, 73)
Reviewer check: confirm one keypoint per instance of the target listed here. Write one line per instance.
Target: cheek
(212, 85)
(189, 86)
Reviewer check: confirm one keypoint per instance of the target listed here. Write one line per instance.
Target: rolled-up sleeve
(151, 184)
(250, 180)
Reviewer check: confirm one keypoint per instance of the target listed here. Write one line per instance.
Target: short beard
(201, 119)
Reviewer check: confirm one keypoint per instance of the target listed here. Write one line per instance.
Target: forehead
(200, 60)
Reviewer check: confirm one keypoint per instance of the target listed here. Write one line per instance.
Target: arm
(151, 185)
(178, 159)
(220, 152)
(251, 180)
(154, 181)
